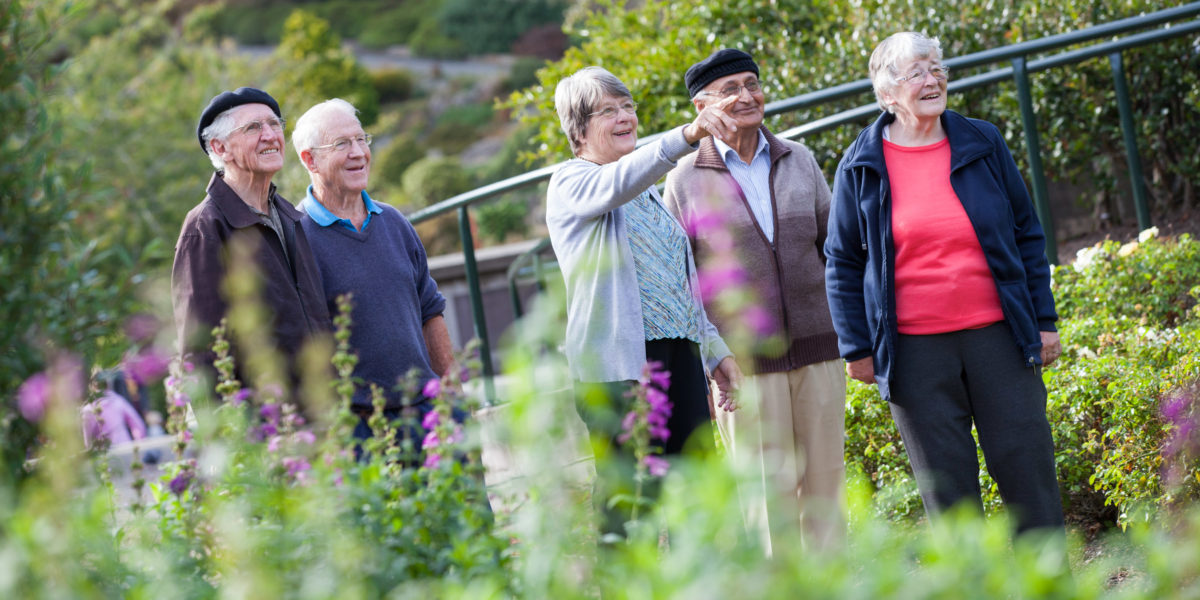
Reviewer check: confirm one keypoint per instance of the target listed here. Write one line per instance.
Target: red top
(942, 278)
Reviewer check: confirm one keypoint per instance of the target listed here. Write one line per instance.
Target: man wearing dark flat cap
(243, 218)
(772, 200)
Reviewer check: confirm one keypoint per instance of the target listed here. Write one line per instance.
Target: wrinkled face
(343, 171)
(256, 144)
(922, 94)
(609, 137)
(748, 109)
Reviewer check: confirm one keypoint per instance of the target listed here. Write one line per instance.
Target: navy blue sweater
(385, 268)
(860, 268)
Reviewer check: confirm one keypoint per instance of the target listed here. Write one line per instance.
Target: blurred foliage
(66, 283)
(433, 179)
(803, 47)
(1130, 328)
(313, 67)
(504, 22)
(501, 218)
(393, 84)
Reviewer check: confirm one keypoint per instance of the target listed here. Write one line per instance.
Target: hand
(1051, 347)
(729, 378)
(713, 120)
(862, 369)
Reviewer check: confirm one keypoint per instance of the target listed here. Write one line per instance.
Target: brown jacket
(787, 276)
(290, 291)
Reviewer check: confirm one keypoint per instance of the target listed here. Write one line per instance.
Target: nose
(744, 93)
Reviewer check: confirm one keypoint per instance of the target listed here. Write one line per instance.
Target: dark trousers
(603, 405)
(943, 384)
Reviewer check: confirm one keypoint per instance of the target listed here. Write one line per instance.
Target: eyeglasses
(255, 128)
(629, 106)
(917, 77)
(734, 89)
(343, 144)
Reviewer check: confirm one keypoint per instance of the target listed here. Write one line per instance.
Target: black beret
(725, 61)
(227, 100)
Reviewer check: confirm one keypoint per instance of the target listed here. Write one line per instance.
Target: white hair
(307, 134)
(897, 49)
(219, 129)
(576, 98)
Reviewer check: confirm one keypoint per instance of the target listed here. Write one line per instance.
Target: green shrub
(392, 27)
(433, 179)
(389, 165)
(393, 84)
(500, 218)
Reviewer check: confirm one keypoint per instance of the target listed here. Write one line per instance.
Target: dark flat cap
(725, 61)
(227, 100)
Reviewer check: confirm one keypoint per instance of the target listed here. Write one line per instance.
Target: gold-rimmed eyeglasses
(343, 144)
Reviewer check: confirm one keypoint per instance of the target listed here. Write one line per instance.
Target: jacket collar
(708, 156)
(237, 212)
(967, 142)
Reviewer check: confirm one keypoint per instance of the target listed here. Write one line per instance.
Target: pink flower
(306, 437)
(33, 396)
(433, 387)
(702, 221)
(761, 322)
(716, 279)
(431, 419)
(432, 459)
(141, 327)
(296, 465)
(653, 373)
(431, 440)
(657, 465)
(147, 366)
(270, 411)
(273, 444)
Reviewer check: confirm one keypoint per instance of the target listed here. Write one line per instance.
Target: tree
(803, 47)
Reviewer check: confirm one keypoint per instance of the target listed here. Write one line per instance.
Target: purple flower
(242, 396)
(761, 322)
(32, 397)
(270, 412)
(431, 420)
(702, 221)
(653, 373)
(296, 466)
(432, 459)
(178, 398)
(180, 483)
(273, 444)
(431, 440)
(433, 387)
(141, 327)
(147, 366)
(716, 279)
(657, 465)
(456, 436)
(188, 367)
(306, 437)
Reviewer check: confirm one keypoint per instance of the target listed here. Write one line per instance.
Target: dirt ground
(1173, 224)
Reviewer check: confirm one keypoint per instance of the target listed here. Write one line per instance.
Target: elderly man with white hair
(242, 133)
(368, 249)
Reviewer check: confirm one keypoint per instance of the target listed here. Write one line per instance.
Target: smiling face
(749, 107)
(920, 98)
(342, 173)
(609, 138)
(252, 153)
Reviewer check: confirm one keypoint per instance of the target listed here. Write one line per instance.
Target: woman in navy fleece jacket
(940, 289)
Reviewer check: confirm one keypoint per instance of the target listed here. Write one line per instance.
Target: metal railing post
(1037, 174)
(472, 272)
(1129, 133)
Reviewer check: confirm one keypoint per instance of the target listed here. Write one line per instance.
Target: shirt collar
(323, 217)
(724, 149)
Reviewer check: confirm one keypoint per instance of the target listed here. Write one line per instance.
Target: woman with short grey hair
(632, 292)
(938, 283)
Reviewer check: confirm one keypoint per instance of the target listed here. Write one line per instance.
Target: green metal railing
(1019, 71)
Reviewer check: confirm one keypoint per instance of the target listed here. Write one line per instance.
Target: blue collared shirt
(755, 181)
(324, 218)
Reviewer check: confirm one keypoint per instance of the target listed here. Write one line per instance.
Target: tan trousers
(786, 444)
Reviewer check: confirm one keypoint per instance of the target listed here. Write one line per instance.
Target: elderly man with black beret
(772, 201)
(241, 131)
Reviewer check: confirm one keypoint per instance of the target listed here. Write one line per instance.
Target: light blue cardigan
(585, 215)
